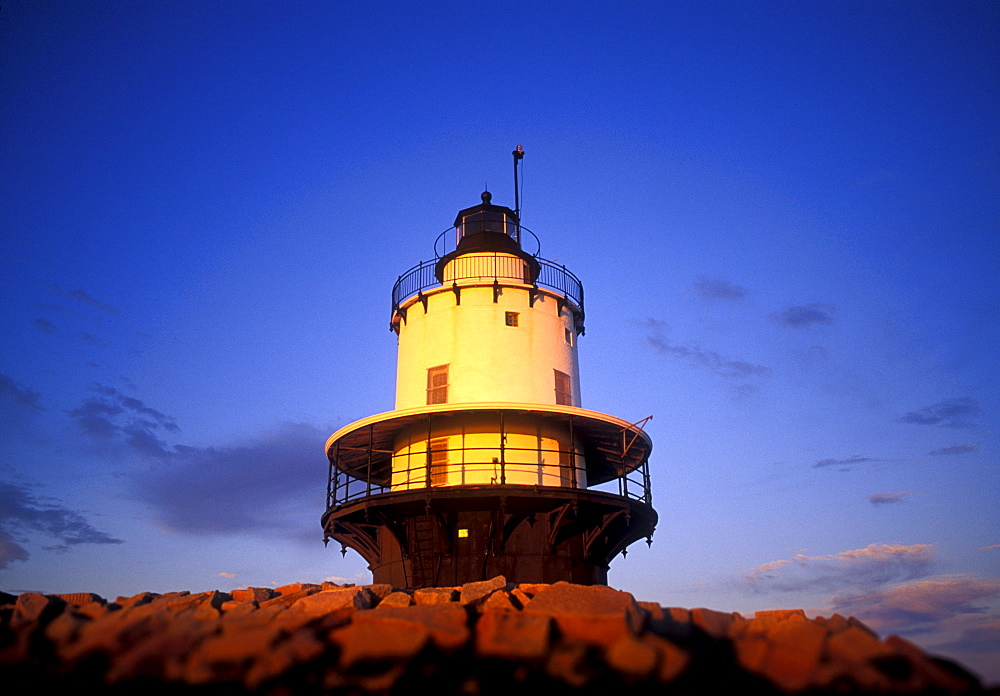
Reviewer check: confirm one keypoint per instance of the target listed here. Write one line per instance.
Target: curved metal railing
(343, 488)
(551, 276)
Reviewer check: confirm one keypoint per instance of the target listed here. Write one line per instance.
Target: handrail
(551, 276)
(344, 488)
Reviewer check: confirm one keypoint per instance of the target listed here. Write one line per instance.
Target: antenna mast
(518, 156)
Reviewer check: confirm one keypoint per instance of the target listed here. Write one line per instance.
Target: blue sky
(784, 215)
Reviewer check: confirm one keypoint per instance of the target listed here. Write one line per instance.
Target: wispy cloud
(889, 498)
(874, 565)
(46, 326)
(656, 336)
(980, 638)
(22, 513)
(18, 394)
(259, 486)
(955, 449)
(800, 316)
(991, 547)
(916, 606)
(113, 415)
(85, 297)
(715, 289)
(951, 413)
(845, 464)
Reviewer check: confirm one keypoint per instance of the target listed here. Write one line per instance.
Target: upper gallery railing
(487, 267)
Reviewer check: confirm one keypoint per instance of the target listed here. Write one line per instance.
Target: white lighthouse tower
(488, 465)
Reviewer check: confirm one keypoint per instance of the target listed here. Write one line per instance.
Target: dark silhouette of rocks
(489, 637)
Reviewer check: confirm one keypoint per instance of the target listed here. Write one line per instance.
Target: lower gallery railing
(470, 466)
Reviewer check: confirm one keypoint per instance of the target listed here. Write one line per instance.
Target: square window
(510, 318)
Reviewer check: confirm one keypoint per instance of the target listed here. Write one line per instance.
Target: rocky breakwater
(489, 637)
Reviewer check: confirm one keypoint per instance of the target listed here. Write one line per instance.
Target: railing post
(503, 457)
(331, 482)
(427, 471)
(371, 438)
(572, 455)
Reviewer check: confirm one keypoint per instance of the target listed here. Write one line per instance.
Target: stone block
(751, 651)
(499, 601)
(854, 646)
(296, 587)
(571, 663)
(381, 590)
(301, 647)
(475, 593)
(926, 673)
(141, 598)
(395, 599)
(330, 600)
(672, 660)
(253, 594)
(714, 623)
(763, 621)
(80, 598)
(35, 608)
(834, 624)
(531, 588)
(157, 658)
(65, 628)
(631, 657)
(513, 635)
(287, 600)
(434, 595)
(520, 598)
(794, 653)
(597, 615)
(379, 639)
(225, 656)
(447, 624)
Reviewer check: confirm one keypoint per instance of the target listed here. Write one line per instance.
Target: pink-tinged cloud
(869, 567)
(917, 606)
(991, 547)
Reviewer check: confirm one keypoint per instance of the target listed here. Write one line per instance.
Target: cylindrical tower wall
(488, 344)
(487, 448)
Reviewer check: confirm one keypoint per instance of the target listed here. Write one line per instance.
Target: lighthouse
(489, 464)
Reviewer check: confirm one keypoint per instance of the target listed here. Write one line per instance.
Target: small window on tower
(569, 337)
(437, 385)
(564, 392)
(510, 318)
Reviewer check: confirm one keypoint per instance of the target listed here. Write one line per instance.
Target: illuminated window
(463, 533)
(564, 392)
(439, 461)
(437, 385)
(510, 318)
